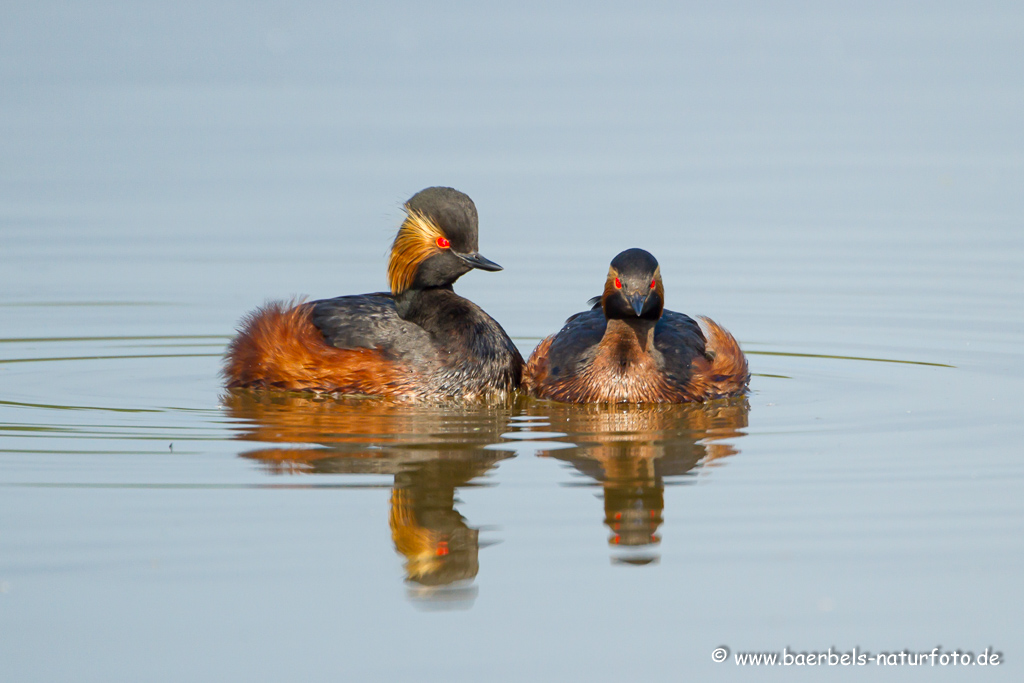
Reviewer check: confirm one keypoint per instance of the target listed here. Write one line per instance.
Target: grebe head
(437, 242)
(633, 289)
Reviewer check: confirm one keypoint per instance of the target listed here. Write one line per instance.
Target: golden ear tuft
(417, 543)
(609, 284)
(416, 241)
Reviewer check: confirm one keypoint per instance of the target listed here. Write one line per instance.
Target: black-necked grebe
(421, 341)
(629, 349)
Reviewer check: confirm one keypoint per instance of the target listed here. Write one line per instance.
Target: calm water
(841, 188)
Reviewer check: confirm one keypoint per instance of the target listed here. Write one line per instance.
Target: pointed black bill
(637, 301)
(475, 260)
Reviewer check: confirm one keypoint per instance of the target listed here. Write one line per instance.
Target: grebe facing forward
(629, 349)
(421, 341)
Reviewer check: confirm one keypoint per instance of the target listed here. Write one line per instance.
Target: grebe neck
(637, 329)
(409, 303)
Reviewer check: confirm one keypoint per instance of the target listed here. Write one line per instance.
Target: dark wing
(679, 339)
(370, 321)
(595, 305)
(576, 343)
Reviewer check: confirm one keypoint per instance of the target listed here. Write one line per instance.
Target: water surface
(840, 187)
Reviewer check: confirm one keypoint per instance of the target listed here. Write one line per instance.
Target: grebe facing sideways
(421, 341)
(629, 349)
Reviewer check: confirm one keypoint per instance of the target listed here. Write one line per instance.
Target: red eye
(618, 283)
(443, 243)
(653, 284)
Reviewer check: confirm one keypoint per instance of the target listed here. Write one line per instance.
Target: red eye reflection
(443, 243)
(653, 284)
(618, 283)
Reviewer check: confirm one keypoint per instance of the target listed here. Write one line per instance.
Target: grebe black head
(633, 289)
(437, 242)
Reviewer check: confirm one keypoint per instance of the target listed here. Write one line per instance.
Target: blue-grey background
(839, 181)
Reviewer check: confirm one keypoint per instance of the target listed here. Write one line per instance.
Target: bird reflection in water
(630, 450)
(430, 450)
